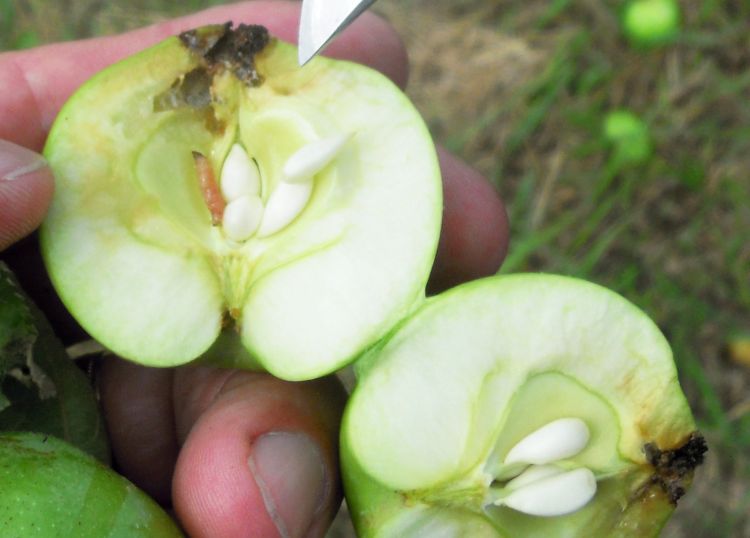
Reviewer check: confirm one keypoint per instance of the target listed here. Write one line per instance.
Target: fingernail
(289, 471)
(17, 161)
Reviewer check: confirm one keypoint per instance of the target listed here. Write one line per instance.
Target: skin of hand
(235, 453)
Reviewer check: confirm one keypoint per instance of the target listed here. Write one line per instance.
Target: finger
(43, 78)
(260, 454)
(25, 192)
(137, 405)
(474, 237)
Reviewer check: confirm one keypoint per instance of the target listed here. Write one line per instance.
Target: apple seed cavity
(241, 188)
(536, 490)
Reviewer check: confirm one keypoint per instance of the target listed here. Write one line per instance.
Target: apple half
(523, 405)
(214, 199)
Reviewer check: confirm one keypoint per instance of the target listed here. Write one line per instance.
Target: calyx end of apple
(673, 469)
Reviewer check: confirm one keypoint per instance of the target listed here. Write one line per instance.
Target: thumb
(26, 187)
(259, 456)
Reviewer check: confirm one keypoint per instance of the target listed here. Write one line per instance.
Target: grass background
(520, 89)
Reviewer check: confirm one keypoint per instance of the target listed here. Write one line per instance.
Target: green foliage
(11, 36)
(655, 205)
(41, 389)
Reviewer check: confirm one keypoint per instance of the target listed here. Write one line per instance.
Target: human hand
(236, 453)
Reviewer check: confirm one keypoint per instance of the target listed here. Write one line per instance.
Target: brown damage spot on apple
(230, 318)
(673, 469)
(222, 47)
(192, 89)
(219, 48)
(209, 188)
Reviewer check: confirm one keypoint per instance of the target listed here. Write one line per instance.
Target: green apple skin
(52, 490)
(649, 23)
(129, 244)
(441, 400)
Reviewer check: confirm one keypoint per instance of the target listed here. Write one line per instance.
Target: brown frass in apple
(674, 468)
(220, 46)
(190, 90)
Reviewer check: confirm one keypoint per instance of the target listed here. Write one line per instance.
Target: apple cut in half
(216, 200)
(524, 405)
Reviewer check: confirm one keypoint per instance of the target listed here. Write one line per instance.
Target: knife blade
(322, 20)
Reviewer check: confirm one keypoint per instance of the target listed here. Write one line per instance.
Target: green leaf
(26, 40)
(41, 388)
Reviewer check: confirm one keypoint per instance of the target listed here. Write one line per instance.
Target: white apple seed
(284, 205)
(239, 175)
(559, 439)
(555, 495)
(242, 217)
(312, 158)
(532, 474)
